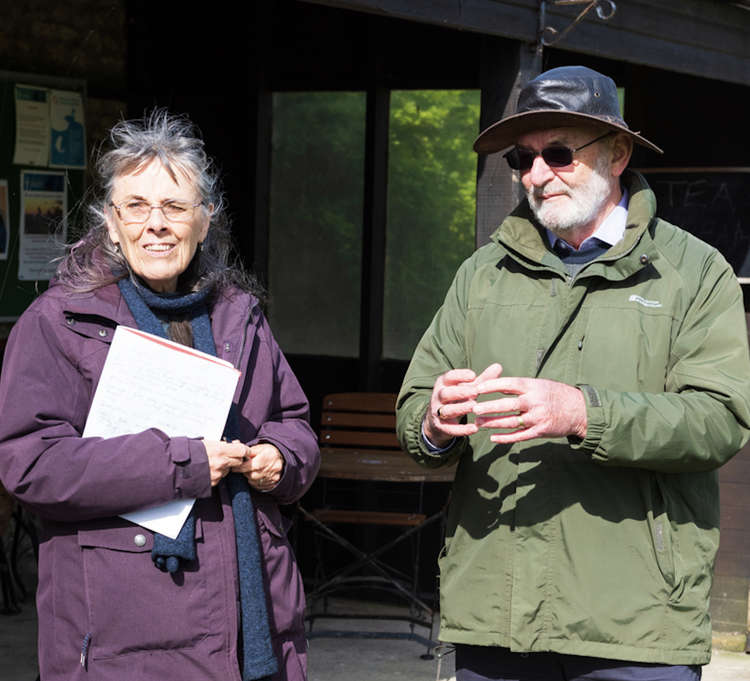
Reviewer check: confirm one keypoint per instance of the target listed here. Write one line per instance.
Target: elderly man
(588, 371)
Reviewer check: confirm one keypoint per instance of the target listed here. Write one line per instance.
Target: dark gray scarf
(256, 652)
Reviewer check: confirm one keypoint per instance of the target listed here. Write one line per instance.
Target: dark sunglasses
(555, 156)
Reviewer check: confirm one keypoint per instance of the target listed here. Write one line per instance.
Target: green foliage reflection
(317, 173)
(431, 207)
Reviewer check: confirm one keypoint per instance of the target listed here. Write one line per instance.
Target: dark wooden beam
(373, 235)
(706, 39)
(260, 146)
(262, 189)
(509, 19)
(506, 67)
(697, 37)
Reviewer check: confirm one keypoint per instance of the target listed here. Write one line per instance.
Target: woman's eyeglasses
(557, 156)
(136, 211)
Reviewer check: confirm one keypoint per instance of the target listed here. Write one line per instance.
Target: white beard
(584, 203)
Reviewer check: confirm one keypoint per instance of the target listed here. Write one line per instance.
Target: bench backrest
(359, 420)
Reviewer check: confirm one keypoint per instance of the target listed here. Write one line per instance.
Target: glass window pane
(431, 207)
(315, 240)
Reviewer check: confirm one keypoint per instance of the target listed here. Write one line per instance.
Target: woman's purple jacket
(106, 613)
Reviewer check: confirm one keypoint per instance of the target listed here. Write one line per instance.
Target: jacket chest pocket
(625, 349)
(92, 340)
(132, 605)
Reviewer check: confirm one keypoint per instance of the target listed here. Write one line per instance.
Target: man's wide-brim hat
(568, 95)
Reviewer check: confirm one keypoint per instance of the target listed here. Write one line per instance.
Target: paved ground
(726, 666)
(18, 645)
(333, 659)
(330, 659)
(399, 661)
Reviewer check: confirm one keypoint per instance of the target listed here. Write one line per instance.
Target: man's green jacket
(604, 546)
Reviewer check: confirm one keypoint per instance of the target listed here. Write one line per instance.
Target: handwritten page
(150, 382)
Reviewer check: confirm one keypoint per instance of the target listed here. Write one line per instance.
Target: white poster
(4, 220)
(67, 130)
(43, 230)
(32, 126)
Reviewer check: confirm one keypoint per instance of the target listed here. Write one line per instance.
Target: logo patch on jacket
(642, 301)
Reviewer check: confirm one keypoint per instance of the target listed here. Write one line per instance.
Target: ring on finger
(521, 424)
(439, 415)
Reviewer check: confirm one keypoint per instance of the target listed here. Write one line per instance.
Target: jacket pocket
(132, 605)
(270, 518)
(285, 594)
(635, 357)
(662, 537)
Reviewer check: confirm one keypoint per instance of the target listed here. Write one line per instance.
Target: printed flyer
(43, 230)
(32, 126)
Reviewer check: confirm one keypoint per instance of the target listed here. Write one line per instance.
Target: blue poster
(68, 132)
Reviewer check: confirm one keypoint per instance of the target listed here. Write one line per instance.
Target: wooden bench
(361, 427)
(358, 443)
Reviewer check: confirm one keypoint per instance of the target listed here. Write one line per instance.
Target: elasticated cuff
(595, 424)
(432, 447)
(419, 449)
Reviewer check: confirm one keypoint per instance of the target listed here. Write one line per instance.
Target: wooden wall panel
(698, 37)
(729, 595)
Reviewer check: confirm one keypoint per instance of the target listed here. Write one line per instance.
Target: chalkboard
(711, 203)
(16, 295)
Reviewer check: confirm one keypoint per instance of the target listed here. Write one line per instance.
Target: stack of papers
(149, 382)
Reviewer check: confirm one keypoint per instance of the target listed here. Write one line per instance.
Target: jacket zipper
(85, 649)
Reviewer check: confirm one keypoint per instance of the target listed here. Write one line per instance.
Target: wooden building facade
(684, 68)
(235, 69)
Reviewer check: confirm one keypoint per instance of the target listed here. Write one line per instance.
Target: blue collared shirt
(609, 232)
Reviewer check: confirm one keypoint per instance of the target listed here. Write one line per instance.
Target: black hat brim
(505, 133)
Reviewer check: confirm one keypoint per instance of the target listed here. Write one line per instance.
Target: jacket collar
(106, 302)
(524, 239)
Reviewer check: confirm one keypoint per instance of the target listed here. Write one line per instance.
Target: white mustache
(539, 192)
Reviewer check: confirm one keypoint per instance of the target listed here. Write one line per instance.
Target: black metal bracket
(548, 36)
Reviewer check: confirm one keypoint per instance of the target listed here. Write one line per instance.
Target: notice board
(39, 194)
(711, 203)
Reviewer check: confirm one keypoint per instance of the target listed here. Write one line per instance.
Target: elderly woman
(115, 601)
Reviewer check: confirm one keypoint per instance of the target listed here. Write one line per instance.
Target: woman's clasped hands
(262, 464)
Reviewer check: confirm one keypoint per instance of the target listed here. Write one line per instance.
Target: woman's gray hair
(94, 260)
